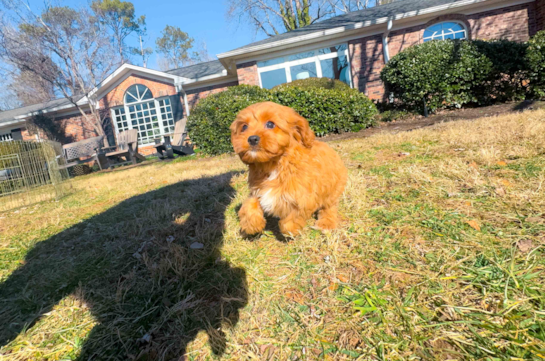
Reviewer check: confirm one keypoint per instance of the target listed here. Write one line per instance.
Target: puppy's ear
(303, 134)
(233, 127)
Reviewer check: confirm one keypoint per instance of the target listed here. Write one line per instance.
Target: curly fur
(292, 175)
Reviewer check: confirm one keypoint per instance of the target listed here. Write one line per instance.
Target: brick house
(352, 48)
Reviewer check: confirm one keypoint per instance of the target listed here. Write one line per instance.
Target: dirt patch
(441, 117)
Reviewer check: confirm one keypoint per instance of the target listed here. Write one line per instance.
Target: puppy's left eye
(269, 125)
(244, 127)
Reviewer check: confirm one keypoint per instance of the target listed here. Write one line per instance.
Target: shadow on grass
(150, 294)
(523, 105)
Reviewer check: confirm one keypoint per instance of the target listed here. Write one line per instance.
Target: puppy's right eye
(244, 127)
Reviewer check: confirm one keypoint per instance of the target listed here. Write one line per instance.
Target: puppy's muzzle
(253, 140)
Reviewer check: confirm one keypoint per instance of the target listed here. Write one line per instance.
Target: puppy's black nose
(253, 140)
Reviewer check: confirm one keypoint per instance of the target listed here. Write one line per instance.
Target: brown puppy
(291, 174)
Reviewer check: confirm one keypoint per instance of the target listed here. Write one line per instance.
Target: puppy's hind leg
(251, 216)
(327, 218)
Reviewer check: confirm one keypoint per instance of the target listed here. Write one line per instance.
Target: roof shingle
(350, 19)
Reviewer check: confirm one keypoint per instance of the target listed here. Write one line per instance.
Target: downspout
(385, 41)
(180, 89)
(386, 50)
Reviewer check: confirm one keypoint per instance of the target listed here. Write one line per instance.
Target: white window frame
(316, 58)
(159, 114)
(6, 137)
(430, 38)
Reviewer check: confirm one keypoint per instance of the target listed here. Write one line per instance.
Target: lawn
(440, 255)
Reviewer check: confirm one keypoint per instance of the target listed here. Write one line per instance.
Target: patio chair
(84, 151)
(127, 147)
(178, 144)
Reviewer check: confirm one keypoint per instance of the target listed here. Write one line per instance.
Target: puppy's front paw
(291, 226)
(326, 223)
(251, 216)
(252, 224)
(327, 219)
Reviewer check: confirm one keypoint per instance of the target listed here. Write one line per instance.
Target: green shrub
(327, 110)
(536, 64)
(208, 124)
(509, 69)
(321, 83)
(447, 73)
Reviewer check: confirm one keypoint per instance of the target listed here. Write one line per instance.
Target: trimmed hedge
(453, 73)
(536, 64)
(321, 83)
(508, 79)
(327, 110)
(208, 124)
(441, 73)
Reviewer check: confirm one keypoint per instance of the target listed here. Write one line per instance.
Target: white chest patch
(273, 175)
(267, 201)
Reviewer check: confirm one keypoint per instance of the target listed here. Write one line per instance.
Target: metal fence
(29, 173)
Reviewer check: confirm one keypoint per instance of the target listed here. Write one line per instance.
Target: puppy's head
(264, 131)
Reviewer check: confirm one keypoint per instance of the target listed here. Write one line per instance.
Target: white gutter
(205, 78)
(339, 30)
(385, 41)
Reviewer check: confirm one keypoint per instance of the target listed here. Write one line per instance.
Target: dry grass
(440, 256)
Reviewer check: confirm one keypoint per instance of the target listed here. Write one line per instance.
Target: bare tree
(273, 17)
(201, 53)
(163, 63)
(64, 47)
(29, 89)
(142, 51)
(346, 6)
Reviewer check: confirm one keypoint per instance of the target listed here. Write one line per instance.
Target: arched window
(445, 30)
(137, 93)
(152, 117)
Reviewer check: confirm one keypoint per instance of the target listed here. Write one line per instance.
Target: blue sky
(204, 20)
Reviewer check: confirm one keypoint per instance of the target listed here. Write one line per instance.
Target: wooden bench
(84, 151)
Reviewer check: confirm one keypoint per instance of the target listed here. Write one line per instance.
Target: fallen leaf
(333, 286)
(343, 278)
(506, 183)
(473, 165)
(538, 220)
(266, 350)
(500, 191)
(525, 245)
(295, 296)
(474, 224)
(468, 203)
(501, 163)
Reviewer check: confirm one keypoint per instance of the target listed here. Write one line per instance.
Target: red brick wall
(517, 23)
(366, 62)
(195, 95)
(247, 73)
(26, 135)
(115, 96)
(513, 23)
(75, 127)
(540, 15)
